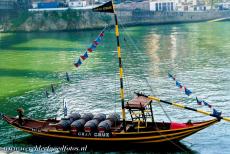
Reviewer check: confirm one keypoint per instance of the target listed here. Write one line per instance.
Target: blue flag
(78, 63)
(198, 101)
(216, 113)
(187, 91)
(205, 103)
(170, 75)
(93, 46)
(85, 56)
(178, 84)
(98, 39)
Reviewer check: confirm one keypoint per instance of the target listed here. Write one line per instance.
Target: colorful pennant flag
(102, 34)
(98, 39)
(216, 113)
(90, 50)
(198, 101)
(78, 63)
(187, 91)
(95, 42)
(92, 47)
(85, 56)
(178, 84)
(206, 104)
(171, 76)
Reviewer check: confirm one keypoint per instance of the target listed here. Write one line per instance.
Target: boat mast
(120, 71)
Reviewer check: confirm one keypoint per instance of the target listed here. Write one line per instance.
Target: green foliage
(106, 18)
(20, 19)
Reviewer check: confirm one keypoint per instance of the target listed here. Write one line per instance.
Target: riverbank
(75, 20)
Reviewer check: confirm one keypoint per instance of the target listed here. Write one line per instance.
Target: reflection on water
(197, 53)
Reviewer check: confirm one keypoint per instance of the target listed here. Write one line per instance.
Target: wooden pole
(120, 72)
(187, 108)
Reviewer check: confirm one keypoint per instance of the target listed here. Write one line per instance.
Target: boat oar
(189, 108)
(216, 115)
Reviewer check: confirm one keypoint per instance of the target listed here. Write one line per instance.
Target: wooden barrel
(91, 125)
(74, 116)
(64, 124)
(105, 125)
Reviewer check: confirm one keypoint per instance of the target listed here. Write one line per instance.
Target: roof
(139, 102)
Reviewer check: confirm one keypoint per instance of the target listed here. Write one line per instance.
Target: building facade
(77, 3)
(178, 5)
(162, 5)
(8, 4)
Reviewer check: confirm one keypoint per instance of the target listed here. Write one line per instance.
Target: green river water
(198, 53)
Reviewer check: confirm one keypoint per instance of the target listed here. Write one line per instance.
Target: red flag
(90, 50)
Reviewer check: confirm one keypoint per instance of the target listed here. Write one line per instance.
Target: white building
(34, 5)
(76, 3)
(162, 5)
(177, 5)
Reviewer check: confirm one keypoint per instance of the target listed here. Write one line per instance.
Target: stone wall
(86, 19)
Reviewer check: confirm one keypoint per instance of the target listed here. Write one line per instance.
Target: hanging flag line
(91, 48)
(189, 92)
(215, 113)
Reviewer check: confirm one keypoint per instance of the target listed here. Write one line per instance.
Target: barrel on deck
(74, 116)
(106, 125)
(78, 125)
(64, 124)
(92, 124)
(114, 117)
(87, 116)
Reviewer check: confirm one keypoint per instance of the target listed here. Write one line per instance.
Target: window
(164, 8)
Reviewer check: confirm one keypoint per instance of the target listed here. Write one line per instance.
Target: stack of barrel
(88, 123)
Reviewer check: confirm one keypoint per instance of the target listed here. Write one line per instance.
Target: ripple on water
(200, 60)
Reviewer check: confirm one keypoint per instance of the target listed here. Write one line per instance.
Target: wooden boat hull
(155, 136)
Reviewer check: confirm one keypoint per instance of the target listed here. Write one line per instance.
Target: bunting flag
(92, 47)
(216, 113)
(107, 7)
(178, 84)
(101, 34)
(188, 92)
(85, 56)
(90, 50)
(198, 101)
(206, 104)
(98, 39)
(171, 76)
(78, 63)
(95, 42)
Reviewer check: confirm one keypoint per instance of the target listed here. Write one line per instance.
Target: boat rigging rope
(137, 49)
(160, 104)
